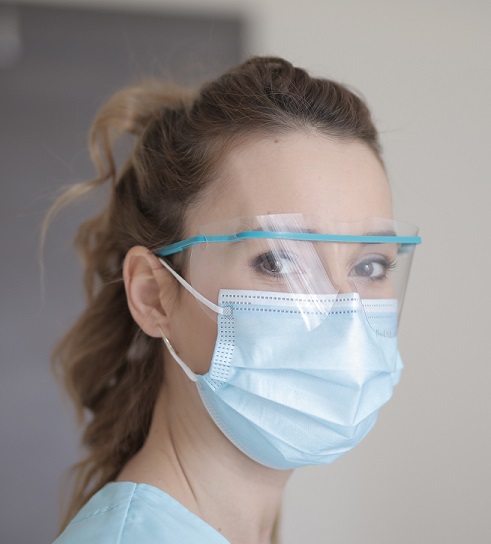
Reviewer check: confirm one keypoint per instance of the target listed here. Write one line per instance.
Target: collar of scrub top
(177, 247)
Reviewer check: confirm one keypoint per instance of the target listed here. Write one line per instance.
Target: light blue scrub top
(129, 513)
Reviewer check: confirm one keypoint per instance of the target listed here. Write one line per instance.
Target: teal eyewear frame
(177, 247)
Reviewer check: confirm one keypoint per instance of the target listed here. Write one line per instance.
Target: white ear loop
(193, 291)
(189, 373)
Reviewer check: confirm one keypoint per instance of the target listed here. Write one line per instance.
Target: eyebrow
(387, 232)
(320, 233)
(381, 233)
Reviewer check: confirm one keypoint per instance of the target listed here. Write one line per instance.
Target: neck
(188, 457)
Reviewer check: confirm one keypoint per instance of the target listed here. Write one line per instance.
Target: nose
(345, 286)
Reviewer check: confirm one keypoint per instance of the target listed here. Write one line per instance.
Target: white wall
(424, 66)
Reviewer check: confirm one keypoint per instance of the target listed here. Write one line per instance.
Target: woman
(244, 286)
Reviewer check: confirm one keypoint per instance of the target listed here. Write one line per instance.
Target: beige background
(423, 474)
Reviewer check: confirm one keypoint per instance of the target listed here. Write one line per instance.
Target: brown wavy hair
(110, 368)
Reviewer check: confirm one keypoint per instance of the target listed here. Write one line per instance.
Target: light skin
(185, 454)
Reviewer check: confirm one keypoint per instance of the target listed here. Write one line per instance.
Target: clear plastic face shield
(314, 264)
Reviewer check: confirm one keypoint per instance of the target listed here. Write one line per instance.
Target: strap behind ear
(189, 373)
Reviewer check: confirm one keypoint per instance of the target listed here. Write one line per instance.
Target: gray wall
(69, 62)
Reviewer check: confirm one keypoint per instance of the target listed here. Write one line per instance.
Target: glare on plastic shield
(302, 264)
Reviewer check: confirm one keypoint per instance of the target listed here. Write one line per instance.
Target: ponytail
(111, 370)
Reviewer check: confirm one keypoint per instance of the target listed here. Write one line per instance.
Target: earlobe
(150, 290)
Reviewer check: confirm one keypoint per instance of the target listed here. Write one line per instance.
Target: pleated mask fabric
(288, 395)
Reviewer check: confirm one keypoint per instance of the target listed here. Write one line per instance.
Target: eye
(374, 268)
(275, 263)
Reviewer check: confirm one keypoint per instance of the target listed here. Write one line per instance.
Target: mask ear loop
(189, 373)
(193, 291)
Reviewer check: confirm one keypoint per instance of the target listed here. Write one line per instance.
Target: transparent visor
(307, 267)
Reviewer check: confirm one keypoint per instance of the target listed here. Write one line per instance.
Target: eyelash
(258, 261)
(257, 264)
(387, 263)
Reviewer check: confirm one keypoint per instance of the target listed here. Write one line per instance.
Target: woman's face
(298, 173)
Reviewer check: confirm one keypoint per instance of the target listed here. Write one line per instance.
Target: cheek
(193, 333)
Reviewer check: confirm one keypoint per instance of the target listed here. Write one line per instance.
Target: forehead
(297, 173)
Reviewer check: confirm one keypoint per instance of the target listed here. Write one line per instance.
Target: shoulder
(103, 518)
(125, 513)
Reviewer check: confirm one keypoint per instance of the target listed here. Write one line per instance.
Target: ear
(151, 291)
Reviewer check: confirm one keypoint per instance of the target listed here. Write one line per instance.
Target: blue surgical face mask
(288, 395)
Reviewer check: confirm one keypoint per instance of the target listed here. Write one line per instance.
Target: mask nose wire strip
(189, 373)
(193, 291)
